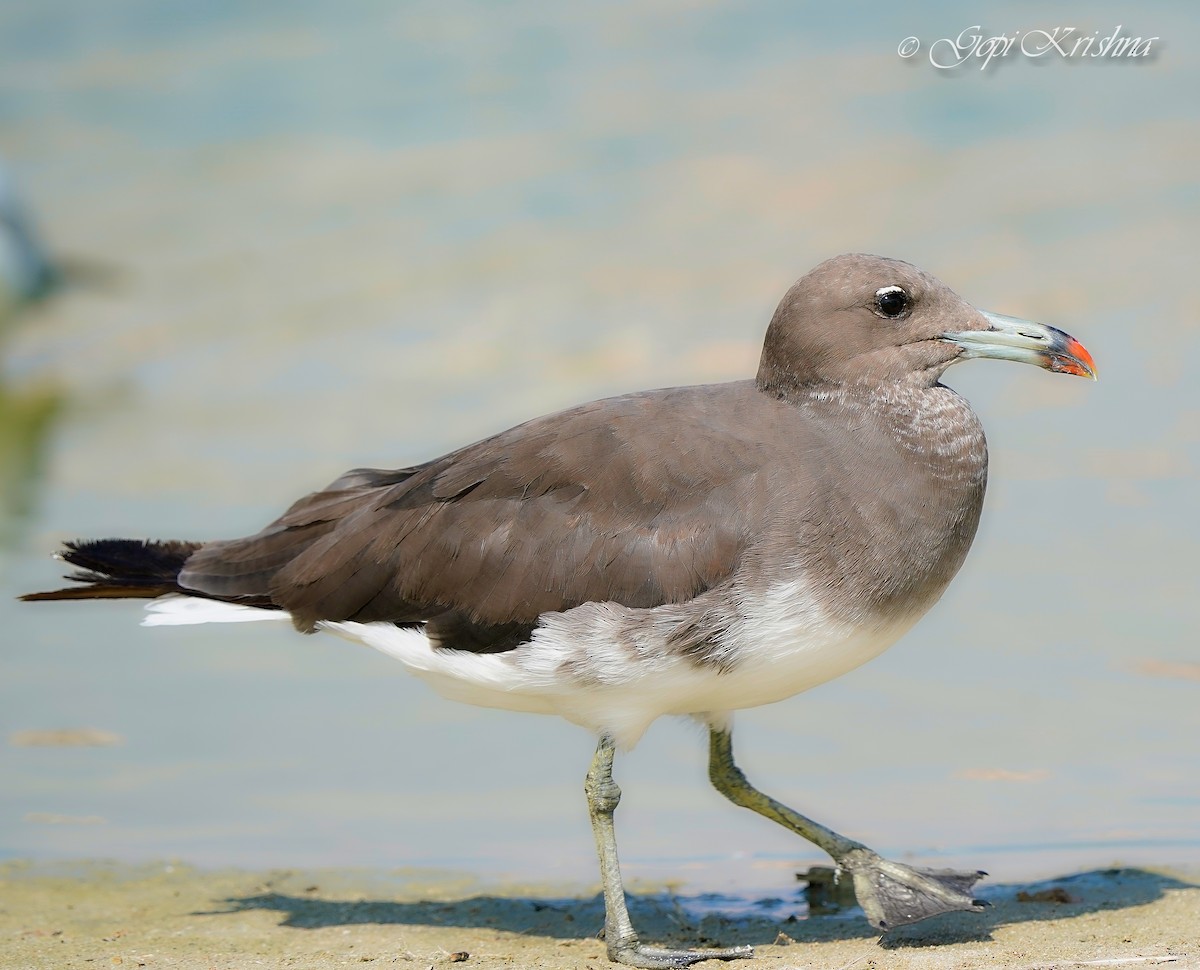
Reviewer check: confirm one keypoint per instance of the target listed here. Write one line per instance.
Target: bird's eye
(891, 301)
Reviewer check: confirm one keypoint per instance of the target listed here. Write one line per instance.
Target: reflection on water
(364, 241)
(27, 418)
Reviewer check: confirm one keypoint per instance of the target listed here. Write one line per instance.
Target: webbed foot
(656, 958)
(892, 894)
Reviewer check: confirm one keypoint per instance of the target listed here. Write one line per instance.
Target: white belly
(613, 669)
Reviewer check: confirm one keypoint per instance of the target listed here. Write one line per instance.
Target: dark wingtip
(119, 569)
(54, 594)
(155, 560)
(93, 591)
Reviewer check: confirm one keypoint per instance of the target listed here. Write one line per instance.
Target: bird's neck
(931, 504)
(930, 422)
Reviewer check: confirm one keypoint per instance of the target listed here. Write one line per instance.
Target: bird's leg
(890, 894)
(619, 935)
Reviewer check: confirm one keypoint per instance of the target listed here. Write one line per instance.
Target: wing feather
(639, 500)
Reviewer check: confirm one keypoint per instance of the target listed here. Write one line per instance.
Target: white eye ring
(884, 292)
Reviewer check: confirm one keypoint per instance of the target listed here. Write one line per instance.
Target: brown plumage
(513, 526)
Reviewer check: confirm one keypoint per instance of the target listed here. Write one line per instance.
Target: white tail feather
(186, 610)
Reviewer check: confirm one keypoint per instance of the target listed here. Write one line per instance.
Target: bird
(688, 551)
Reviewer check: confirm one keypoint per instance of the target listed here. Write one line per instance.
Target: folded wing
(636, 500)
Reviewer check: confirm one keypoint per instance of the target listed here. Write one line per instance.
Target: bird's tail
(121, 569)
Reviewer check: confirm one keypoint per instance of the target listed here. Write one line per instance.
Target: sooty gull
(689, 551)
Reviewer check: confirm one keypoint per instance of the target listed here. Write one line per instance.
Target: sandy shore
(90, 914)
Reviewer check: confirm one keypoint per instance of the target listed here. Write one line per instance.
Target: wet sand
(170, 915)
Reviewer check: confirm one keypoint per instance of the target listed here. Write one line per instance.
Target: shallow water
(310, 243)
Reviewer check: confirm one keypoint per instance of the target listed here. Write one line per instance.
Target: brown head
(868, 319)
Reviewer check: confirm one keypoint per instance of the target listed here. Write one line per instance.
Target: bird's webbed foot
(892, 894)
(657, 958)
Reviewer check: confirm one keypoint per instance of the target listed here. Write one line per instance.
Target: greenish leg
(603, 795)
(890, 894)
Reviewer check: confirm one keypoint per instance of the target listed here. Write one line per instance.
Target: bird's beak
(1011, 338)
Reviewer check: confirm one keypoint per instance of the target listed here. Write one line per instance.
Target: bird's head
(867, 319)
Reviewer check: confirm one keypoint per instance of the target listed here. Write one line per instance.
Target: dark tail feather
(121, 569)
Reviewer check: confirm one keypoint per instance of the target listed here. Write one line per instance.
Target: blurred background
(246, 247)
